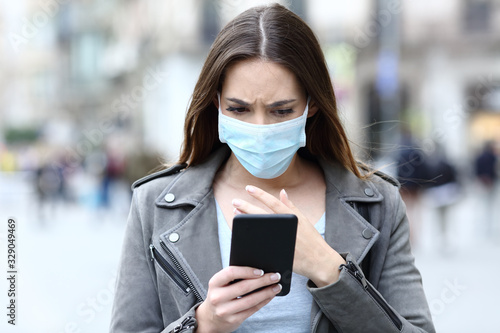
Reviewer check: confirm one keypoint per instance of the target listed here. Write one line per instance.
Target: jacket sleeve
(399, 305)
(136, 306)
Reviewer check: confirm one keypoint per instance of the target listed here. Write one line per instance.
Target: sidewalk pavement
(460, 278)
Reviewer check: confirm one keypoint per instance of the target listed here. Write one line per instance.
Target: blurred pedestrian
(50, 189)
(412, 173)
(486, 164)
(443, 191)
(263, 90)
(112, 173)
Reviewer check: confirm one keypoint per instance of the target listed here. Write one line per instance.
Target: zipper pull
(187, 323)
(151, 248)
(354, 271)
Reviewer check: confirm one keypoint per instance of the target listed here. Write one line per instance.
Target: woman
(263, 93)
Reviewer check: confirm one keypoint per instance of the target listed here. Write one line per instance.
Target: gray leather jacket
(171, 250)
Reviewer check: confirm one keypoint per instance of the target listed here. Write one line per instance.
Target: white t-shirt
(290, 313)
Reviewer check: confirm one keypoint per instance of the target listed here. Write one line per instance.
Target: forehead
(259, 78)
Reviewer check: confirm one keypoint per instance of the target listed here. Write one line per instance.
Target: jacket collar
(193, 184)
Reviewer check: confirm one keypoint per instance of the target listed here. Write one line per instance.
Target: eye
(282, 113)
(236, 110)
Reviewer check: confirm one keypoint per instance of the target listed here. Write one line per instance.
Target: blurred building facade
(450, 69)
(84, 75)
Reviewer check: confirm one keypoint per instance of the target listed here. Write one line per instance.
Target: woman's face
(262, 92)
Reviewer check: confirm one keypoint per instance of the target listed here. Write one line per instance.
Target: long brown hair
(272, 33)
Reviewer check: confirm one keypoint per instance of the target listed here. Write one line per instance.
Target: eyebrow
(272, 105)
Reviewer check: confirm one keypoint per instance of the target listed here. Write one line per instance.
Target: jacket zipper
(188, 323)
(353, 270)
(165, 265)
(181, 271)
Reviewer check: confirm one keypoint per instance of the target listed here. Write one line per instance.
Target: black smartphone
(267, 242)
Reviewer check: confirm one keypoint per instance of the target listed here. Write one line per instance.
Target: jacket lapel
(346, 230)
(196, 243)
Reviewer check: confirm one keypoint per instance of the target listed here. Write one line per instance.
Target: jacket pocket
(353, 270)
(174, 270)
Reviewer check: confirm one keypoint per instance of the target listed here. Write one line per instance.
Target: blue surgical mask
(265, 151)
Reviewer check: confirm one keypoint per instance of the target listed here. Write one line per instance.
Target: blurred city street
(67, 264)
(67, 260)
(93, 96)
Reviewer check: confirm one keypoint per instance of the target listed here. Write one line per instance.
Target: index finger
(267, 199)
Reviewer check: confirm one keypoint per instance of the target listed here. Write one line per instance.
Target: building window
(484, 96)
(477, 15)
(86, 50)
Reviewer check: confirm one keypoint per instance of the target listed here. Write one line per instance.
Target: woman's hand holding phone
(313, 258)
(224, 310)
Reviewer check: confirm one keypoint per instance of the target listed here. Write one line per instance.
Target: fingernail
(258, 272)
(236, 202)
(276, 277)
(277, 288)
(284, 193)
(236, 211)
(250, 189)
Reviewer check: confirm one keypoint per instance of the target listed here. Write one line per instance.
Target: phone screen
(267, 242)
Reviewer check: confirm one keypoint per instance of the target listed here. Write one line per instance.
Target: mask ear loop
(306, 110)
